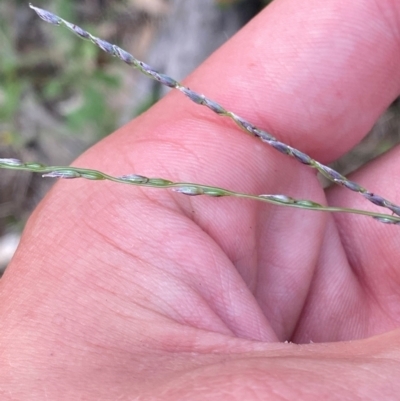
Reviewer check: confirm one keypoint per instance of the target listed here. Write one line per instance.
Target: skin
(121, 293)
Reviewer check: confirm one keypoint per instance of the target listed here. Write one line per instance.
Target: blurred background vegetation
(59, 94)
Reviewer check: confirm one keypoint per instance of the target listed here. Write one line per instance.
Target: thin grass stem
(197, 98)
(185, 188)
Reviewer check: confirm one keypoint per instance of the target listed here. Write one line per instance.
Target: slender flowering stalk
(186, 188)
(249, 128)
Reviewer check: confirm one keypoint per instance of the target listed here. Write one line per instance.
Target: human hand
(121, 293)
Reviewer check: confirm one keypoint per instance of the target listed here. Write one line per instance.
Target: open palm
(126, 292)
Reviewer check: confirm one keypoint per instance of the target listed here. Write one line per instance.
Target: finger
(313, 78)
(374, 249)
(359, 280)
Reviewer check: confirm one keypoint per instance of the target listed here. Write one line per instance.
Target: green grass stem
(185, 188)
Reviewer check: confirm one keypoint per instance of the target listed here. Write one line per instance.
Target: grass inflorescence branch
(186, 188)
(197, 98)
